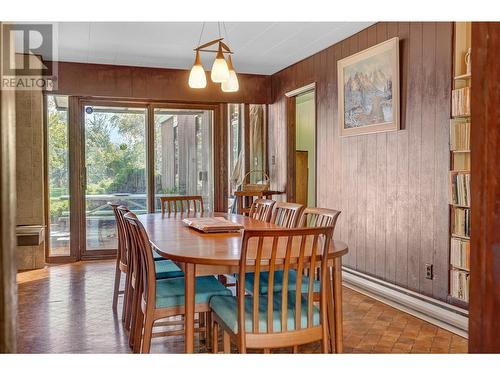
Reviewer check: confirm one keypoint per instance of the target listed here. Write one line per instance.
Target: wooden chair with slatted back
(284, 319)
(319, 217)
(121, 257)
(262, 209)
(160, 298)
(182, 203)
(286, 214)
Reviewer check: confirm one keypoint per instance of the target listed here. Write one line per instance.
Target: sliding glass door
(114, 170)
(129, 153)
(183, 161)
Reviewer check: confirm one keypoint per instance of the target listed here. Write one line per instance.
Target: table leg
(337, 304)
(330, 310)
(189, 280)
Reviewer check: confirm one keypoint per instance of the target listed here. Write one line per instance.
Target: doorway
(305, 149)
(301, 145)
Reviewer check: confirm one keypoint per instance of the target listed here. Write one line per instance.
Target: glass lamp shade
(220, 70)
(231, 85)
(197, 76)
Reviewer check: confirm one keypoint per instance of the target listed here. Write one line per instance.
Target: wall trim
(441, 314)
(301, 90)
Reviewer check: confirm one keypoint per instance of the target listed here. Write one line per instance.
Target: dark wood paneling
(391, 187)
(115, 81)
(484, 307)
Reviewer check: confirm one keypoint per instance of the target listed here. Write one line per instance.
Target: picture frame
(368, 90)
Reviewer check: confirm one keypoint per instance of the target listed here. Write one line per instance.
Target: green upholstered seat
(278, 282)
(166, 269)
(226, 308)
(170, 292)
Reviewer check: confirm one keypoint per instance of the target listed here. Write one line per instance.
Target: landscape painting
(369, 90)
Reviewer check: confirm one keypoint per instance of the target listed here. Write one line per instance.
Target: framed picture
(369, 90)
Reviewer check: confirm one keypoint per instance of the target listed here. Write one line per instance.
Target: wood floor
(67, 309)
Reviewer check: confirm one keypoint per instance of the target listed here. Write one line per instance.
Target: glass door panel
(183, 156)
(58, 176)
(115, 169)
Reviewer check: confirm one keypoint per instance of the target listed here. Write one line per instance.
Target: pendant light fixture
(231, 85)
(197, 76)
(222, 71)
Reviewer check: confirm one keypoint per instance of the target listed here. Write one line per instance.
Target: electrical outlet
(273, 160)
(429, 274)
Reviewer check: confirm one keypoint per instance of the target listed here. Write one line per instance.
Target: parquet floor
(67, 309)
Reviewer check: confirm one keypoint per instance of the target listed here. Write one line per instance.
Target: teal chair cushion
(278, 282)
(170, 292)
(226, 308)
(166, 269)
(157, 256)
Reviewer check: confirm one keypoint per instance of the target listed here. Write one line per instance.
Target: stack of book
(460, 253)
(460, 189)
(459, 285)
(461, 223)
(460, 102)
(459, 135)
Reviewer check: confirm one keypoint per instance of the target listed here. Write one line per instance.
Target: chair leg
(267, 351)
(118, 274)
(127, 301)
(226, 342)
(137, 331)
(295, 349)
(215, 338)
(202, 324)
(148, 333)
(208, 331)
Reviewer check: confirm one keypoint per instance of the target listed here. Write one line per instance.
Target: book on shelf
(460, 253)
(459, 135)
(459, 284)
(461, 222)
(461, 161)
(460, 102)
(460, 189)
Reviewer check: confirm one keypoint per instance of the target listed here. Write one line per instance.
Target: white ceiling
(259, 47)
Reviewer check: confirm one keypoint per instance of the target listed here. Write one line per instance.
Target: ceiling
(259, 47)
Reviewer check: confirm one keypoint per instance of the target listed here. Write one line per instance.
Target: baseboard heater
(441, 314)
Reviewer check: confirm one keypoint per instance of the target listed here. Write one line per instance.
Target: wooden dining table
(201, 254)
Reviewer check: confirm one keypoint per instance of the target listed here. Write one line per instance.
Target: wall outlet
(273, 160)
(429, 274)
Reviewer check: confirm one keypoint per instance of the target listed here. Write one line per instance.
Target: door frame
(291, 112)
(76, 136)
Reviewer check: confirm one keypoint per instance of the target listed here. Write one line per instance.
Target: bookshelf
(459, 175)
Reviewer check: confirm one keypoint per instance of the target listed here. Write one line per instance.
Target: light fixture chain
(201, 34)
(225, 32)
(218, 25)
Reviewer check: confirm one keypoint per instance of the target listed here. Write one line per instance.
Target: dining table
(201, 254)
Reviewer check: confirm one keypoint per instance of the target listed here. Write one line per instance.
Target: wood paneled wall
(79, 79)
(391, 187)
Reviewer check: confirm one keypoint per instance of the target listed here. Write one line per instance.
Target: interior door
(114, 170)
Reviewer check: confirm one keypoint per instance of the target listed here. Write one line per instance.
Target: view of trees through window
(58, 175)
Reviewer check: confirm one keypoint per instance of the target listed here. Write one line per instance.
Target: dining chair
(261, 209)
(182, 203)
(287, 318)
(121, 259)
(318, 217)
(286, 214)
(164, 268)
(311, 217)
(161, 298)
